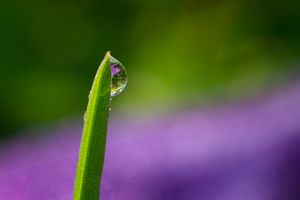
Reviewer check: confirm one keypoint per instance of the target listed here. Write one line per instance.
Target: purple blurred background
(246, 150)
(211, 110)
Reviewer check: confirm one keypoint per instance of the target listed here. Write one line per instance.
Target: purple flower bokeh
(242, 151)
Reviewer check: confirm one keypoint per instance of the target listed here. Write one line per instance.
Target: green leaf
(92, 147)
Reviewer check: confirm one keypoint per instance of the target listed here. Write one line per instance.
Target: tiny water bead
(118, 81)
(119, 77)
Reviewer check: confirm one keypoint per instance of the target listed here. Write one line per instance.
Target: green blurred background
(177, 54)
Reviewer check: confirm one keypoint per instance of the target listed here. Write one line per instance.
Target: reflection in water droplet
(119, 77)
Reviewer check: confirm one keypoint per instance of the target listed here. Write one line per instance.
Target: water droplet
(119, 77)
(90, 94)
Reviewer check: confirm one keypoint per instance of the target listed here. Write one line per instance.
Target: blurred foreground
(240, 151)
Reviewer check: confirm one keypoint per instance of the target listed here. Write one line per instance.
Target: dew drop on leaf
(119, 77)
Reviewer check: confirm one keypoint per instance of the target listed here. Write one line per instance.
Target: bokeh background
(176, 53)
(179, 55)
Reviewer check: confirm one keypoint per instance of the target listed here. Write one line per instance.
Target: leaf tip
(107, 55)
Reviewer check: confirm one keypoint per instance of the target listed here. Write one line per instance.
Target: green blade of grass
(92, 147)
